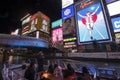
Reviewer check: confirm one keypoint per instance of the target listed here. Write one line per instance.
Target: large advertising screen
(91, 21)
(68, 12)
(114, 8)
(116, 24)
(37, 21)
(66, 3)
(57, 35)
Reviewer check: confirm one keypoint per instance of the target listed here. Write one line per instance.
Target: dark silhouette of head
(84, 70)
(32, 64)
(69, 66)
(55, 65)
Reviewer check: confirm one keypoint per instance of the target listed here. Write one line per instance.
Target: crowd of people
(55, 72)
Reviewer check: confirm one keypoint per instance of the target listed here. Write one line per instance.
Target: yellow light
(46, 75)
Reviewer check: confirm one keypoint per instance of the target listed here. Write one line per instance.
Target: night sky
(11, 11)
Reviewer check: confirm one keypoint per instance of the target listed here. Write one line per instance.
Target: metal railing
(13, 74)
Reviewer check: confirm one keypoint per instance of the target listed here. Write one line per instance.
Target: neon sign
(57, 35)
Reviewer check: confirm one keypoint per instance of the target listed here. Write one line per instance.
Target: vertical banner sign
(68, 22)
(91, 21)
(57, 35)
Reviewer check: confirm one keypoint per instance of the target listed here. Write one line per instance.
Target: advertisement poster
(91, 22)
(69, 29)
(116, 24)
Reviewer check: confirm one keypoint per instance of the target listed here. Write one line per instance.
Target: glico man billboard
(91, 21)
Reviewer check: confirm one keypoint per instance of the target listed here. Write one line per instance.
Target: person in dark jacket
(70, 69)
(40, 60)
(70, 73)
(85, 74)
(50, 69)
(30, 72)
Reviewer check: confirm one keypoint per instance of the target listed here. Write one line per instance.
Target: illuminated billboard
(70, 44)
(116, 24)
(91, 22)
(38, 21)
(114, 8)
(66, 3)
(57, 35)
(57, 23)
(69, 29)
(68, 12)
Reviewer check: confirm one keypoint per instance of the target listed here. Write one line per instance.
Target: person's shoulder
(88, 76)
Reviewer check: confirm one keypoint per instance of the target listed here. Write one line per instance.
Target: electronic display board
(91, 21)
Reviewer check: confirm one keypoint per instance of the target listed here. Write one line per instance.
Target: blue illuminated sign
(116, 24)
(68, 12)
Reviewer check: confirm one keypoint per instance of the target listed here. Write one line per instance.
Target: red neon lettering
(83, 5)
